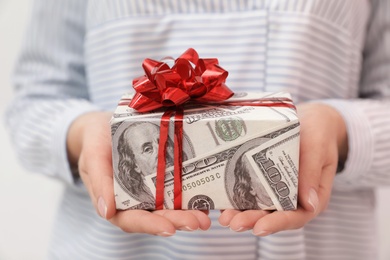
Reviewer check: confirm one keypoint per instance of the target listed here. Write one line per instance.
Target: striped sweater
(81, 56)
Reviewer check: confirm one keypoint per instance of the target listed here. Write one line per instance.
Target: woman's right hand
(90, 149)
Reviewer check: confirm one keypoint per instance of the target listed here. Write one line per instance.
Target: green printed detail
(229, 129)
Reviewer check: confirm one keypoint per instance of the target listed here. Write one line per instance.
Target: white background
(28, 202)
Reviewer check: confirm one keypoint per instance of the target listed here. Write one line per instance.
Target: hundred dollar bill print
(226, 179)
(135, 155)
(278, 164)
(209, 131)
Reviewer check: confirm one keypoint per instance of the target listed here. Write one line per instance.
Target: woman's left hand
(323, 142)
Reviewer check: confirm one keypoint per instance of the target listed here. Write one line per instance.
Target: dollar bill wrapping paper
(234, 157)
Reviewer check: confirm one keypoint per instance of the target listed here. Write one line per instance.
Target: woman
(79, 57)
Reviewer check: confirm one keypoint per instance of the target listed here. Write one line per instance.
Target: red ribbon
(190, 79)
(178, 157)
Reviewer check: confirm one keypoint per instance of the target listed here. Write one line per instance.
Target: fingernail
(164, 234)
(186, 228)
(240, 229)
(261, 233)
(313, 199)
(102, 207)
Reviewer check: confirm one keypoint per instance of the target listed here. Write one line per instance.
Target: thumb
(97, 175)
(309, 179)
(101, 179)
(97, 158)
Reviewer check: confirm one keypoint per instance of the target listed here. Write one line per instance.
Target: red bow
(190, 78)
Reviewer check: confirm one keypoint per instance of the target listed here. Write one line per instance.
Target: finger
(325, 187)
(101, 187)
(98, 167)
(310, 164)
(182, 220)
(282, 220)
(141, 221)
(203, 219)
(226, 217)
(87, 183)
(246, 220)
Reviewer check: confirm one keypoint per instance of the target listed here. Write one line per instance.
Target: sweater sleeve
(50, 87)
(368, 117)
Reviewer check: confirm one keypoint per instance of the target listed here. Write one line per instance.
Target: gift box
(184, 141)
(241, 157)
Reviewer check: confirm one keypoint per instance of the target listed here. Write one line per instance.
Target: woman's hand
(89, 147)
(323, 142)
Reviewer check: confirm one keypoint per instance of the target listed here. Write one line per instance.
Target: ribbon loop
(190, 78)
